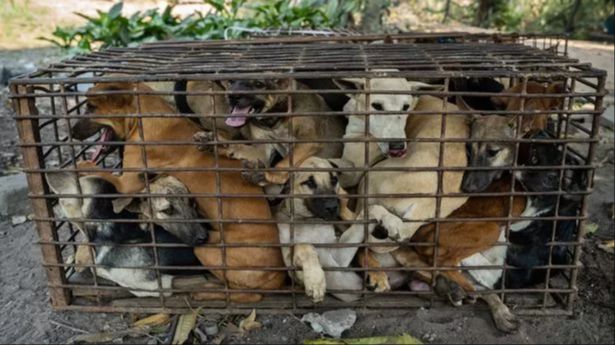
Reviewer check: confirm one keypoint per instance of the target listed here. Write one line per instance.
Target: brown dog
(171, 129)
(460, 240)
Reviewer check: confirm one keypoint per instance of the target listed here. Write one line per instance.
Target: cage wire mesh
(137, 127)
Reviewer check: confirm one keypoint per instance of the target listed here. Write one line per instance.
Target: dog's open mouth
(106, 134)
(397, 153)
(239, 115)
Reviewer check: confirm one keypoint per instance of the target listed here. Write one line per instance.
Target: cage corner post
(28, 130)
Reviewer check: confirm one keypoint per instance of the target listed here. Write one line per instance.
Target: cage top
(277, 60)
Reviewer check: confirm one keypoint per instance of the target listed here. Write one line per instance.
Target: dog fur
(246, 110)
(188, 156)
(391, 127)
(304, 255)
(114, 262)
(424, 155)
(497, 154)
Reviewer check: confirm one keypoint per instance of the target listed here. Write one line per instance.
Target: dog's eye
(377, 106)
(492, 152)
(258, 84)
(406, 107)
(90, 108)
(168, 211)
(310, 183)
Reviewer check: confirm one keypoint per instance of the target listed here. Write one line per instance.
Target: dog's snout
(380, 232)
(201, 238)
(397, 148)
(325, 208)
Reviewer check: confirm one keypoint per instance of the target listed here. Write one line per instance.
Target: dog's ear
(333, 164)
(116, 100)
(417, 85)
(128, 204)
(350, 83)
(461, 103)
(62, 182)
(225, 84)
(559, 87)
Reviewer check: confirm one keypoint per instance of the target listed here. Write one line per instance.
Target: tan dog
(326, 208)
(246, 113)
(188, 156)
(406, 214)
(389, 126)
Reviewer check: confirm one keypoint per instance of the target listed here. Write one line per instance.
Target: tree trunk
(570, 26)
(482, 13)
(373, 11)
(447, 11)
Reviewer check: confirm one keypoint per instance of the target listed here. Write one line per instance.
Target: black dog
(529, 239)
(114, 260)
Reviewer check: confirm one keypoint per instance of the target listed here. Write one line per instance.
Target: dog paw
(315, 283)
(389, 225)
(453, 291)
(378, 282)
(205, 139)
(505, 320)
(251, 174)
(277, 177)
(86, 165)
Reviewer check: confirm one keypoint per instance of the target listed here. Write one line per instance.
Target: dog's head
(487, 153)
(91, 207)
(532, 122)
(247, 107)
(116, 101)
(168, 207)
(316, 183)
(494, 154)
(391, 126)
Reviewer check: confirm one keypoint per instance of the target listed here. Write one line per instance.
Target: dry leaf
(185, 325)
(608, 246)
(249, 323)
(153, 320)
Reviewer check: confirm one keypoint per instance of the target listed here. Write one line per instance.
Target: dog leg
(83, 257)
(206, 139)
(314, 280)
(217, 296)
(301, 152)
(345, 212)
(378, 281)
(504, 319)
(128, 182)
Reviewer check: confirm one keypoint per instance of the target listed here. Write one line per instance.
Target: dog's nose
(397, 145)
(397, 148)
(331, 206)
(380, 232)
(200, 238)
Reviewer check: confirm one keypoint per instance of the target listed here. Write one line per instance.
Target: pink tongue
(105, 136)
(238, 117)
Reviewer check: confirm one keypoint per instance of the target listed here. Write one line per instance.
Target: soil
(27, 316)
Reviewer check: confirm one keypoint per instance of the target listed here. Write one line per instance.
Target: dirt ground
(26, 315)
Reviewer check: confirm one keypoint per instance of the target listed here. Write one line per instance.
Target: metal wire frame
(42, 135)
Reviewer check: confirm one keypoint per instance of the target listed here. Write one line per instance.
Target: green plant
(227, 19)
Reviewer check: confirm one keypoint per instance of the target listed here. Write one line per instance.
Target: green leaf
(116, 10)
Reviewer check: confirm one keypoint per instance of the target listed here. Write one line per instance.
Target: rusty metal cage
(49, 102)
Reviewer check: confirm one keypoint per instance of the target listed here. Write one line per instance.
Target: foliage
(227, 19)
(552, 16)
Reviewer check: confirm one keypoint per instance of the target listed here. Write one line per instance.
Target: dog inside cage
(382, 174)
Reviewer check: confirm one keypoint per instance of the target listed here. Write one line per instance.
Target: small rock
(332, 323)
(210, 328)
(16, 220)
